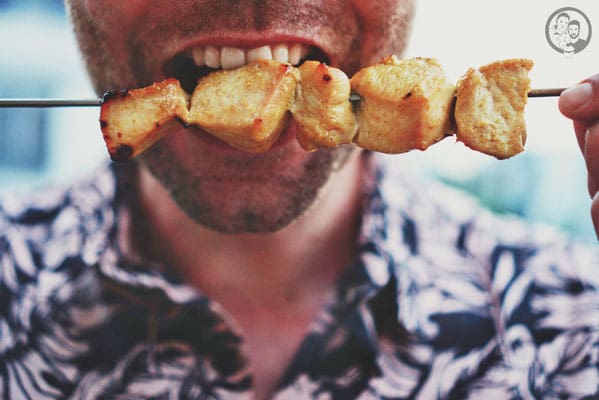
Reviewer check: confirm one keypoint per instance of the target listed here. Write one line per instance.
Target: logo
(568, 30)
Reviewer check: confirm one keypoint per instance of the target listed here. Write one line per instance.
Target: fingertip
(581, 101)
(575, 98)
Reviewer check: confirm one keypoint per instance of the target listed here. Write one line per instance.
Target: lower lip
(287, 136)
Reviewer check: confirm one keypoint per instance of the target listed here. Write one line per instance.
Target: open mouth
(193, 64)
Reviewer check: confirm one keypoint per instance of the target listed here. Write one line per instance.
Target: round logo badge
(568, 30)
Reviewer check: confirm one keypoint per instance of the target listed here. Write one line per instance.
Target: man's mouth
(194, 63)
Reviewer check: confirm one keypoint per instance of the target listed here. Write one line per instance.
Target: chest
(139, 346)
(191, 351)
(272, 340)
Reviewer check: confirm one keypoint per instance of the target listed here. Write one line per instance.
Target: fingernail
(576, 96)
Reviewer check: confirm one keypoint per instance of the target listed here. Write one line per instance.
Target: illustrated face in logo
(568, 31)
(574, 29)
(562, 23)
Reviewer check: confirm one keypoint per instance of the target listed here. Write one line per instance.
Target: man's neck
(309, 253)
(272, 284)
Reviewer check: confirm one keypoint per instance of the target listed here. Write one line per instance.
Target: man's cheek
(386, 25)
(115, 13)
(377, 9)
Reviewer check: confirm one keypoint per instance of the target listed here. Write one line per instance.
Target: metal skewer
(32, 103)
(550, 92)
(29, 103)
(553, 92)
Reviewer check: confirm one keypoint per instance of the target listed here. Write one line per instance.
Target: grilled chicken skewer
(66, 103)
(403, 105)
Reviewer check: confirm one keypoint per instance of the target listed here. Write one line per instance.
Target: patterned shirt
(445, 301)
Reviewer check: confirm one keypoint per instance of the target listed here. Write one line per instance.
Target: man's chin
(240, 193)
(247, 219)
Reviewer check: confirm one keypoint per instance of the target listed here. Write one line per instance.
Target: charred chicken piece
(322, 109)
(133, 120)
(246, 107)
(405, 105)
(489, 110)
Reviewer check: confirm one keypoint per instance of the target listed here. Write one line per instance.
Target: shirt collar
(373, 270)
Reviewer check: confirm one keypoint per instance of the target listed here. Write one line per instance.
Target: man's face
(134, 43)
(573, 31)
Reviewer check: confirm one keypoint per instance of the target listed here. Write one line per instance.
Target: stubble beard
(246, 194)
(249, 197)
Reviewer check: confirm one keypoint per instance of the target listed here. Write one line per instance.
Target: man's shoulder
(580, 44)
(34, 225)
(452, 217)
(449, 229)
(509, 303)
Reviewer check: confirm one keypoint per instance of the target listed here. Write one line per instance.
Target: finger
(581, 102)
(591, 186)
(595, 213)
(581, 128)
(591, 154)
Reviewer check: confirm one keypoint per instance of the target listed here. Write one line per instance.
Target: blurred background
(546, 184)
(39, 58)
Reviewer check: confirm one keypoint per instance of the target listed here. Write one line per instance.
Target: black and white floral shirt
(446, 301)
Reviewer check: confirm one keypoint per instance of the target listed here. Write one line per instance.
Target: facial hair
(236, 192)
(247, 198)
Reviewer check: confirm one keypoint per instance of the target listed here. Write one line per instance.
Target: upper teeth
(233, 57)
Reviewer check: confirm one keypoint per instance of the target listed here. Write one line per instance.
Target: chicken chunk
(406, 104)
(133, 120)
(322, 109)
(246, 107)
(489, 110)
